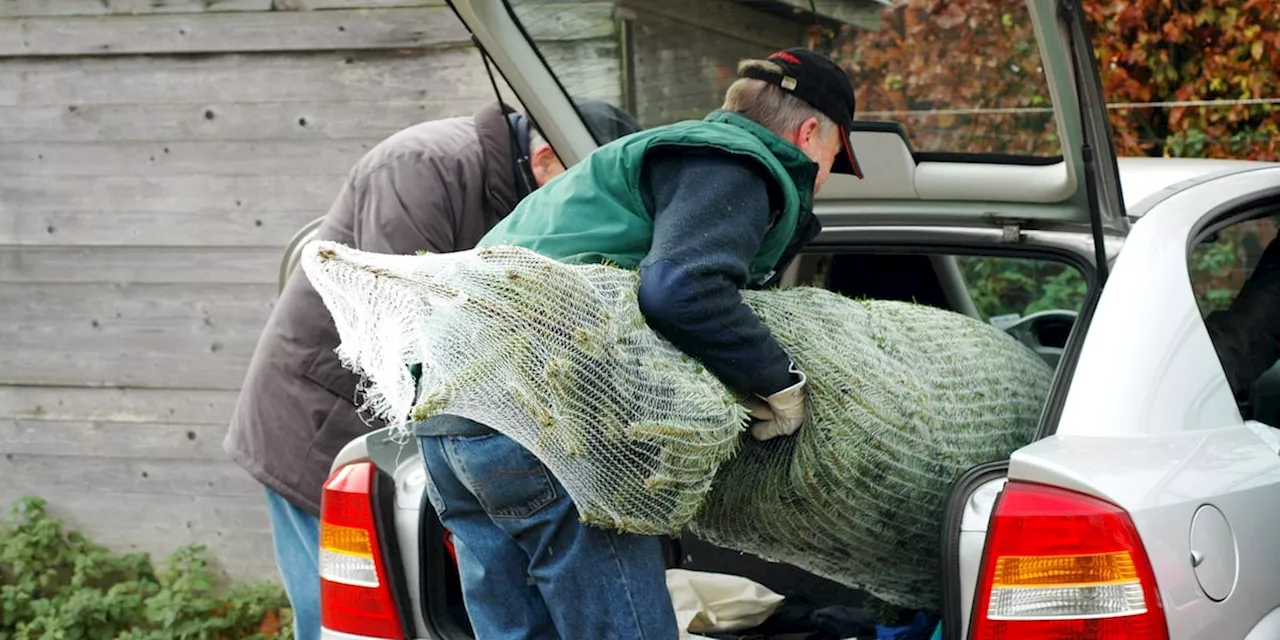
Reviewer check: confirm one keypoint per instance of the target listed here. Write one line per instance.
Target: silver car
(1147, 505)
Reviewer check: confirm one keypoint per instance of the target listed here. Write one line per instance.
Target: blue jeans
(296, 537)
(530, 569)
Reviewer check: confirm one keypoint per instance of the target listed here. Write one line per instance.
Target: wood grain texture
(722, 18)
(172, 406)
(129, 265)
(400, 75)
(25, 8)
(151, 229)
(115, 312)
(314, 120)
(576, 20)
(177, 158)
(685, 59)
(238, 32)
(154, 166)
(170, 513)
(168, 363)
(144, 441)
(183, 336)
(136, 475)
(205, 195)
(314, 5)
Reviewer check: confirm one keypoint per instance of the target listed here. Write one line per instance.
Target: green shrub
(60, 585)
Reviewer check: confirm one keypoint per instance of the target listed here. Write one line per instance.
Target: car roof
(1142, 177)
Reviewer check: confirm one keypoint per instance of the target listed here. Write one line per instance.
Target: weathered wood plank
(150, 229)
(258, 122)
(136, 335)
(579, 20)
(121, 312)
(66, 404)
(124, 265)
(314, 5)
(399, 75)
(232, 158)
(153, 510)
(187, 336)
(685, 59)
(138, 475)
(715, 18)
(161, 363)
(864, 14)
(587, 69)
(137, 440)
(277, 31)
(233, 32)
(209, 195)
(28, 8)
(234, 528)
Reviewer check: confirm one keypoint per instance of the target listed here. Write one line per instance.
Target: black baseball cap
(823, 85)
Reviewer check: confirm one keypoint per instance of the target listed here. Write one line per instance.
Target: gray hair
(767, 104)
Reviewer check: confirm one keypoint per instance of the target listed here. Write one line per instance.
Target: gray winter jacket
(437, 186)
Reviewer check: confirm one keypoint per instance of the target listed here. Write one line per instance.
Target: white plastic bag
(717, 603)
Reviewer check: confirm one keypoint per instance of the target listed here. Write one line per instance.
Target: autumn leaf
(931, 55)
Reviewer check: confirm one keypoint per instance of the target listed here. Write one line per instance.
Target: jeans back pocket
(507, 480)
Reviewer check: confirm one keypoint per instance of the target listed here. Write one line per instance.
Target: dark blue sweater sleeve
(710, 213)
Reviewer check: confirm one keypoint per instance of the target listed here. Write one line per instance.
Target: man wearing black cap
(702, 209)
(435, 186)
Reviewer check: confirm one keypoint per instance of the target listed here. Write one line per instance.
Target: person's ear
(545, 164)
(810, 133)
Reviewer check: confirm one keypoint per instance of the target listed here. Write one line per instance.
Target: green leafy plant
(59, 584)
(1001, 286)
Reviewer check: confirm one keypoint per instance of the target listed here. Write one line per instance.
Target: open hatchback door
(981, 113)
(980, 122)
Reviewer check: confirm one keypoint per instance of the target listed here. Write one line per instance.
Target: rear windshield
(960, 77)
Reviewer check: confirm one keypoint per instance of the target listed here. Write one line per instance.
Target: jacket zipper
(952, 519)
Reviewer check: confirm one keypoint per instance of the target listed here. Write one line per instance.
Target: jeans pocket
(433, 492)
(507, 480)
(433, 496)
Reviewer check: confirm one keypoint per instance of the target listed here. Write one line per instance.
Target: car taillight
(1060, 565)
(355, 594)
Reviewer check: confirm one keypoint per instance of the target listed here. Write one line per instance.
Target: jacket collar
(802, 168)
(501, 191)
(787, 153)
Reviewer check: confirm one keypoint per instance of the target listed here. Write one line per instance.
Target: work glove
(782, 413)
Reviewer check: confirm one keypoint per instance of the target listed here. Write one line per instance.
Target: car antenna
(518, 154)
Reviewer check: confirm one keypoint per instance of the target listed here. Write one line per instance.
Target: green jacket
(594, 211)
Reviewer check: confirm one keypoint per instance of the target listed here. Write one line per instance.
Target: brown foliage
(937, 57)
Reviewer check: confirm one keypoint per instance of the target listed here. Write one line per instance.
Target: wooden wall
(155, 157)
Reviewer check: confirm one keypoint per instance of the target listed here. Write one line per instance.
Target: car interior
(1220, 264)
(815, 607)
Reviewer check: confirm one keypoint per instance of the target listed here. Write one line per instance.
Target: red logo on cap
(785, 56)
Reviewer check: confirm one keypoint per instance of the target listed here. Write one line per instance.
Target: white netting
(904, 397)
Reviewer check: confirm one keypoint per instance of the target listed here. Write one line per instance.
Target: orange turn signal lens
(1046, 571)
(345, 540)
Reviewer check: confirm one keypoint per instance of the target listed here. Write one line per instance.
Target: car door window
(1223, 262)
(1006, 290)
(1235, 275)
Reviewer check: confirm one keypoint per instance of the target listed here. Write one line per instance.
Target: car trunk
(665, 61)
(906, 268)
